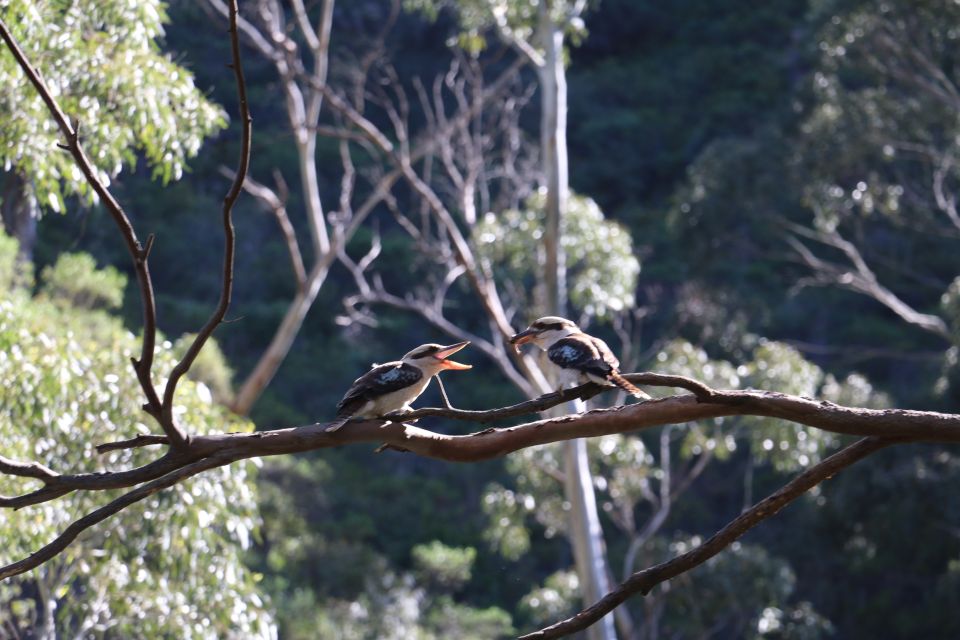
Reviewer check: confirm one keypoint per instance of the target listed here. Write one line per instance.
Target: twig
(132, 443)
(443, 394)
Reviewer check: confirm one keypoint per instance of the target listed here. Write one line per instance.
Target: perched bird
(393, 386)
(577, 356)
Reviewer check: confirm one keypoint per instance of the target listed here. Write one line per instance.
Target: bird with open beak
(392, 386)
(576, 357)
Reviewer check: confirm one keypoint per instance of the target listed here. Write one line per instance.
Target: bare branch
(643, 581)
(226, 291)
(276, 204)
(209, 451)
(132, 443)
(26, 469)
(76, 528)
(253, 35)
(946, 203)
(860, 278)
(62, 484)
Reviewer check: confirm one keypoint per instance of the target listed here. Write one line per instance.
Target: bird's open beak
(522, 338)
(445, 352)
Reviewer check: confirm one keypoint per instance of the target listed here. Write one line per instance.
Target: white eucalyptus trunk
(271, 359)
(553, 143)
(586, 534)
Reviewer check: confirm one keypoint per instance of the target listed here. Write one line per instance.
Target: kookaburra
(576, 356)
(392, 386)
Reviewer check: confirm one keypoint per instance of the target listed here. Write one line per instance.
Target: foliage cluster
(171, 566)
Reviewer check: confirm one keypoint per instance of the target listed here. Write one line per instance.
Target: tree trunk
(282, 341)
(553, 144)
(47, 623)
(19, 211)
(586, 535)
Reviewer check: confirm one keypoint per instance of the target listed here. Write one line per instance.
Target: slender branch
(60, 485)
(246, 126)
(26, 469)
(275, 204)
(643, 581)
(268, 50)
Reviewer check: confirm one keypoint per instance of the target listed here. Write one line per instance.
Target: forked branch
(857, 276)
(160, 409)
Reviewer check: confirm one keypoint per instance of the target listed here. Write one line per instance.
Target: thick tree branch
(209, 451)
(643, 581)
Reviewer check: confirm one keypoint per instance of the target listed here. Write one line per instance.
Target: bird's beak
(445, 352)
(523, 337)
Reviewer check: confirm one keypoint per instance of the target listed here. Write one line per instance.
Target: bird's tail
(626, 385)
(337, 422)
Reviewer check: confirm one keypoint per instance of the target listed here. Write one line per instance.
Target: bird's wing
(614, 375)
(380, 380)
(605, 353)
(578, 351)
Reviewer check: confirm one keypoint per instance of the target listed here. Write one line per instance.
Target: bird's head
(432, 358)
(545, 331)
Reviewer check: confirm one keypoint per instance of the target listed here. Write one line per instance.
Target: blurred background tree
(172, 566)
(102, 62)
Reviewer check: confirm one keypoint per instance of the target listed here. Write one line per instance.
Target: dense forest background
(715, 133)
